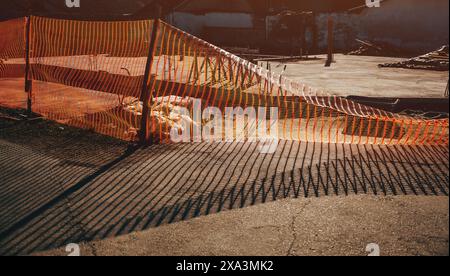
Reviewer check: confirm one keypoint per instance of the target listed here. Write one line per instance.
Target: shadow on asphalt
(56, 190)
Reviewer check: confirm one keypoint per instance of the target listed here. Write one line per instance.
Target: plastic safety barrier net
(12, 63)
(146, 77)
(84, 72)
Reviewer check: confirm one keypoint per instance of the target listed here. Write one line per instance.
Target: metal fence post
(28, 81)
(146, 93)
(330, 42)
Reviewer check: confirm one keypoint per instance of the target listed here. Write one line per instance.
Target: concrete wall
(416, 25)
(195, 23)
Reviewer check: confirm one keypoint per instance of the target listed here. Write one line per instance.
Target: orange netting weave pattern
(85, 72)
(187, 69)
(12, 63)
(91, 74)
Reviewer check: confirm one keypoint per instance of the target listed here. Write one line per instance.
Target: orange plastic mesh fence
(12, 63)
(90, 75)
(85, 72)
(226, 93)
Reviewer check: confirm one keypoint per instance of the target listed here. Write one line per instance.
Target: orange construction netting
(84, 72)
(12, 63)
(91, 74)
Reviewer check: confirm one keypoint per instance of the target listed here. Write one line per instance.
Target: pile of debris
(167, 115)
(379, 49)
(437, 60)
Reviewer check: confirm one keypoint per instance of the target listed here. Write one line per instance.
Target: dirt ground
(62, 185)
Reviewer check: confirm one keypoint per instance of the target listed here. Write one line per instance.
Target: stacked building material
(377, 48)
(437, 60)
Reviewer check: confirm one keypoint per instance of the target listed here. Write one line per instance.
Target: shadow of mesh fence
(12, 63)
(150, 80)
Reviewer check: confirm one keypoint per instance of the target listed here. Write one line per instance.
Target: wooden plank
(146, 94)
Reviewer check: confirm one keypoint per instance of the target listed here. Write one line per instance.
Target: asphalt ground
(61, 185)
(324, 226)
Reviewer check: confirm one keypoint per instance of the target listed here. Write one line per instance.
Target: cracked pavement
(342, 226)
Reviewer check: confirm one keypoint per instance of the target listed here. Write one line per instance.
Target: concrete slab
(361, 76)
